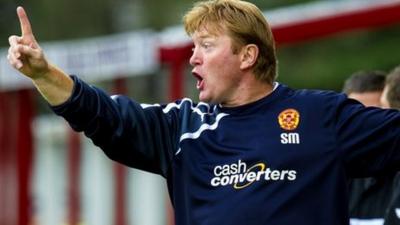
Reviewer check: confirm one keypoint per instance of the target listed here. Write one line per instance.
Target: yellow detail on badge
(289, 119)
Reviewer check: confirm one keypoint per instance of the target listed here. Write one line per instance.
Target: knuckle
(13, 48)
(20, 48)
(11, 58)
(13, 63)
(11, 55)
(12, 39)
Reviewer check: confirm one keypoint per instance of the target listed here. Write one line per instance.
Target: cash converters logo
(240, 176)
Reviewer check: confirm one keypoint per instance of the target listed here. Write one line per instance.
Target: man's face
(384, 101)
(216, 68)
(367, 98)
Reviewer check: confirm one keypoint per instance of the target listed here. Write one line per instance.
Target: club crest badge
(289, 119)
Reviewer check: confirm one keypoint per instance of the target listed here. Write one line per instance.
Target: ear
(249, 55)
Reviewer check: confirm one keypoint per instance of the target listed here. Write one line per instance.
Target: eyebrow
(206, 36)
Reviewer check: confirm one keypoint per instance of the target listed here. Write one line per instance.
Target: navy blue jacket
(370, 197)
(282, 160)
(393, 212)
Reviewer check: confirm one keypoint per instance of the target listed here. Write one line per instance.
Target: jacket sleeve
(142, 138)
(368, 137)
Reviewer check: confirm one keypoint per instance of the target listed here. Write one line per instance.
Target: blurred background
(50, 175)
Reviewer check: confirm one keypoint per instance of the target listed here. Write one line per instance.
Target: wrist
(44, 74)
(54, 85)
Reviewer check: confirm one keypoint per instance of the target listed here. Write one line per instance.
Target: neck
(250, 90)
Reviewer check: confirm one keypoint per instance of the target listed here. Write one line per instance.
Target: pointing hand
(25, 53)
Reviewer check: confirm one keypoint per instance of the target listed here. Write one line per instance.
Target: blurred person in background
(391, 93)
(366, 87)
(369, 197)
(253, 151)
(391, 99)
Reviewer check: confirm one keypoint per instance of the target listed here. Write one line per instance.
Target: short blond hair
(244, 23)
(393, 88)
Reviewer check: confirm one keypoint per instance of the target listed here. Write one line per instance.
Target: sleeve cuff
(76, 93)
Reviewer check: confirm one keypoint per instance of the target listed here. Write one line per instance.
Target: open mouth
(200, 81)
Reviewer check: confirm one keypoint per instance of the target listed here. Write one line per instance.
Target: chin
(205, 99)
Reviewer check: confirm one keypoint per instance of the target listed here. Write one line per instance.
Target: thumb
(29, 51)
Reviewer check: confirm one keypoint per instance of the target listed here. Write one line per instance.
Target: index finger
(24, 22)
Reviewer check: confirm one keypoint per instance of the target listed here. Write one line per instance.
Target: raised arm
(26, 56)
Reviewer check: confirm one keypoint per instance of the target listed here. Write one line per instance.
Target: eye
(206, 45)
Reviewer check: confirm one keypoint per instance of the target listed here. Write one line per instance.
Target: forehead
(221, 40)
(209, 30)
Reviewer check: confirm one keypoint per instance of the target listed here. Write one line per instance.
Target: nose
(195, 59)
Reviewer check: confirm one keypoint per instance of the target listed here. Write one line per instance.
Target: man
(391, 93)
(391, 99)
(257, 152)
(366, 87)
(369, 197)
